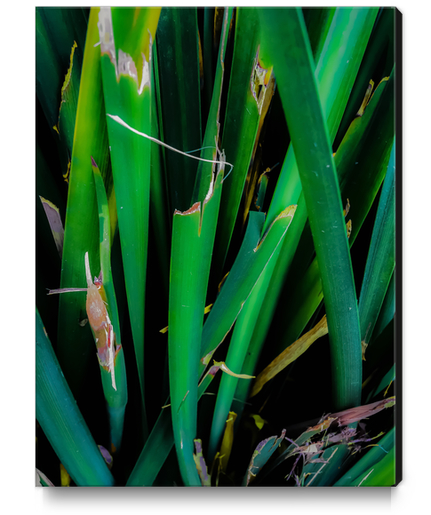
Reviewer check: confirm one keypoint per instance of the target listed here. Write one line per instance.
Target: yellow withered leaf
(226, 445)
(289, 355)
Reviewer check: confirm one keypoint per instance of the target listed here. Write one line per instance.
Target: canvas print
(217, 247)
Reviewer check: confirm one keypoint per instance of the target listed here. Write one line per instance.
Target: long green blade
(75, 343)
(343, 46)
(251, 260)
(309, 133)
(364, 153)
(339, 41)
(116, 398)
(211, 139)
(241, 123)
(126, 36)
(61, 420)
(160, 216)
(192, 242)
(381, 257)
(178, 67)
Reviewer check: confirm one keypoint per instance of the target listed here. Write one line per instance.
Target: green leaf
(240, 125)
(178, 68)
(380, 45)
(56, 31)
(69, 102)
(381, 256)
(126, 38)
(193, 235)
(160, 217)
(336, 460)
(361, 162)
(318, 21)
(116, 398)
(207, 57)
(380, 474)
(210, 144)
(310, 140)
(236, 355)
(343, 46)
(75, 343)
(61, 420)
(48, 71)
(339, 40)
(377, 452)
(161, 441)
(251, 261)
(263, 300)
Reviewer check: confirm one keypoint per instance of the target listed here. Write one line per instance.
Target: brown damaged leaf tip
(289, 355)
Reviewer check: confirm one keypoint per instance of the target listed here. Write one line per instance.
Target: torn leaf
(200, 464)
(259, 82)
(134, 52)
(101, 325)
(261, 455)
(307, 446)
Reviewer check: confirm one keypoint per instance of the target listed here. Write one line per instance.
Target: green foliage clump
(214, 167)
